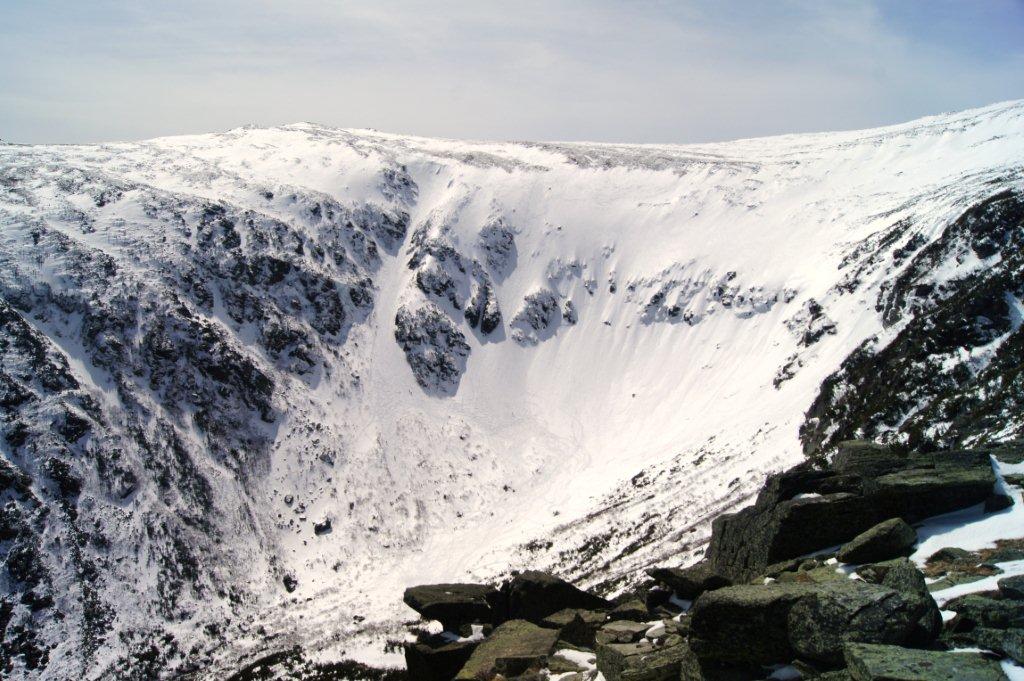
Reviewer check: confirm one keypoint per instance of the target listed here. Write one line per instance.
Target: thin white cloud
(559, 69)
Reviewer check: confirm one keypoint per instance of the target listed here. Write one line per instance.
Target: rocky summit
(819, 588)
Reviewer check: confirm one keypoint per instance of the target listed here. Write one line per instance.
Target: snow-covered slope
(252, 384)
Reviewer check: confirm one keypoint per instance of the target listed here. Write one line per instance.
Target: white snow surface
(1010, 568)
(972, 528)
(539, 441)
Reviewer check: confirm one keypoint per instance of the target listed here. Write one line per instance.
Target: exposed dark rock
(644, 661)
(950, 566)
(821, 622)
(863, 457)
(776, 569)
(811, 324)
(1009, 451)
(520, 667)
(888, 539)
(692, 668)
(482, 309)
(976, 610)
(1005, 642)
(956, 578)
(998, 502)
(806, 509)
(435, 349)
(576, 626)
(755, 615)
(498, 243)
(891, 663)
(517, 639)
(812, 611)
(535, 595)
(1012, 587)
(932, 484)
(903, 576)
(950, 554)
(569, 314)
(439, 662)
(835, 675)
(452, 604)
(632, 610)
(908, 383)
(1006, 550)
(876, 573)
(815, 575)
(656, 598)
(778, 622)
(437, 282)
(621, 631)
(397, 184)
(538, 319)
(690, 582)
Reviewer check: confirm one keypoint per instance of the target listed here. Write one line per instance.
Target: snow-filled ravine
(257, 382)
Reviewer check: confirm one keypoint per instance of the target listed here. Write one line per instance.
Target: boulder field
(811, 581)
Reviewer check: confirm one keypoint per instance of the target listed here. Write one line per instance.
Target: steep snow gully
(252, 384)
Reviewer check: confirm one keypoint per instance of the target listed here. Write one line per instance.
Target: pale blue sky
(640, 71)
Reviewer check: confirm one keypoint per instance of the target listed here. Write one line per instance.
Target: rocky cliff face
(253, 383)
(951, 372)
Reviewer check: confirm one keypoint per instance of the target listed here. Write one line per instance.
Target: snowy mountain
(252, 384)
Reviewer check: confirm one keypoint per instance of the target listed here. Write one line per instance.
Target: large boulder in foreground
(516, 640)
(932, 484)
(452, 604)
(745, 624)
(807, 509)
(690, 582)
(888, 539)
(825, 620)
(535, 595)
(775, 623)
(903, 576)
(891, 663)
